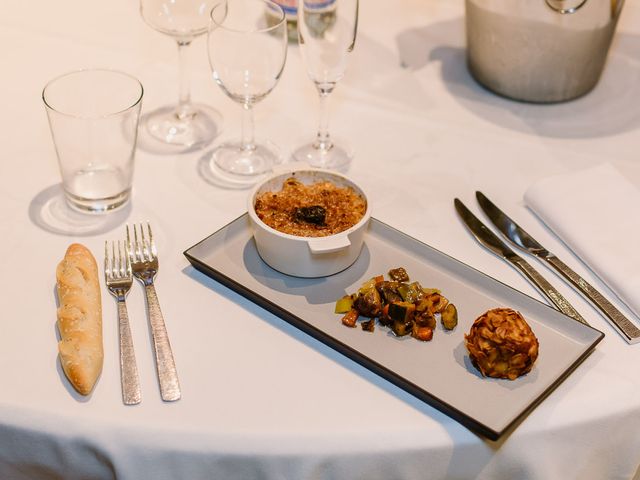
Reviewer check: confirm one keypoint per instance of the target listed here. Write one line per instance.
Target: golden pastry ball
(501, 344)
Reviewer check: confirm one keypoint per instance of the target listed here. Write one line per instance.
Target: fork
(144, 263)
(117, 274)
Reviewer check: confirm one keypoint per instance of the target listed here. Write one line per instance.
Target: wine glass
(247, 46)
(185, 124)
(326, 34)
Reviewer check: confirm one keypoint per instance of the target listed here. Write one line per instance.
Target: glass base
(194, 131)
(98, 205)
(337, 157)
(229, 164)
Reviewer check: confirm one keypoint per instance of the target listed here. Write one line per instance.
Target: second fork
(144, 263)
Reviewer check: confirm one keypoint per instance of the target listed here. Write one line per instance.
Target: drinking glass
(326, 34)
(247, 45)
(93, 116)
(187, 124)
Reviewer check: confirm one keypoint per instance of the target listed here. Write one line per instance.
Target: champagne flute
(186, 124)
(326, 34)
(247, 46)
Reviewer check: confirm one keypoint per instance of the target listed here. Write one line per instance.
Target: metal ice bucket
(539, 50)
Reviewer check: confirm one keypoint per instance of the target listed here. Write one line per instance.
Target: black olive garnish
(314, 214)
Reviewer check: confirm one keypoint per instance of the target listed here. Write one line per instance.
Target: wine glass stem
(247, 142)
(184, 109)
(323, 140)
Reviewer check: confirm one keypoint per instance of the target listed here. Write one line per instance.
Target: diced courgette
(411, 292)
(429, 291)
(368, 302)
(400, 328)
(449, 317)
(401, 311)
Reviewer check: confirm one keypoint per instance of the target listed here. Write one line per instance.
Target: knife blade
(520, 238)
(490, 240)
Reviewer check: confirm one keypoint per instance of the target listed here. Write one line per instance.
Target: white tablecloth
(260, 399)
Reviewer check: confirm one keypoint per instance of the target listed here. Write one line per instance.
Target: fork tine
(112, 263)
(120, 261)
(146, 255)
(152, 244)
(143, 246)
(115, 261)
(127, 263)
(129, 246)
(125, 267)
(106, 259)
(133, 246)
(138, 244)
(132, 243)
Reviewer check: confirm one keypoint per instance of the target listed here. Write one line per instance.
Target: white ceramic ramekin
(307, 257)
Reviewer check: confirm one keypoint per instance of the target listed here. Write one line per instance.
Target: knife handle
(548, 290)
(629, 331)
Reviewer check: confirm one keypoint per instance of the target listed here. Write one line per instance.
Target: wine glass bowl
(247, 47)
(326, 34)
(181, 20)
(325, 40)
(186, 124)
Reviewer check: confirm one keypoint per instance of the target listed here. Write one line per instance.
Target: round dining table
(262, 399)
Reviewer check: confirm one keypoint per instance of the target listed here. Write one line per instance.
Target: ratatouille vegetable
(406, 307)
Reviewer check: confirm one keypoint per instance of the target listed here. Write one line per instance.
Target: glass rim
(137, 101)
(277, 8)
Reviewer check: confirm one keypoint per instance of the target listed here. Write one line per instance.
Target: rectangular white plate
(438, 372)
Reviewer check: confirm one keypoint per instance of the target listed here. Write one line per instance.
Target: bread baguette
(80, 318)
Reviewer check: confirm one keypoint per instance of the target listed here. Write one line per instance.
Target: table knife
(490, 240)
(520, 238)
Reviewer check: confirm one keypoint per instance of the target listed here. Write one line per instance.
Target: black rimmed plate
(438, 372)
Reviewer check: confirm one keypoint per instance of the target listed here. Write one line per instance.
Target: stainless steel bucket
(539, 50)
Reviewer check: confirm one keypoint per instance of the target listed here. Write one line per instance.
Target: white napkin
(596, 213)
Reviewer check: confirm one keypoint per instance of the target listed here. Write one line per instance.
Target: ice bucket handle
(565, 6)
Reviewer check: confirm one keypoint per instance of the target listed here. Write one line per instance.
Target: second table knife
(520, 238)
(493, 243)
